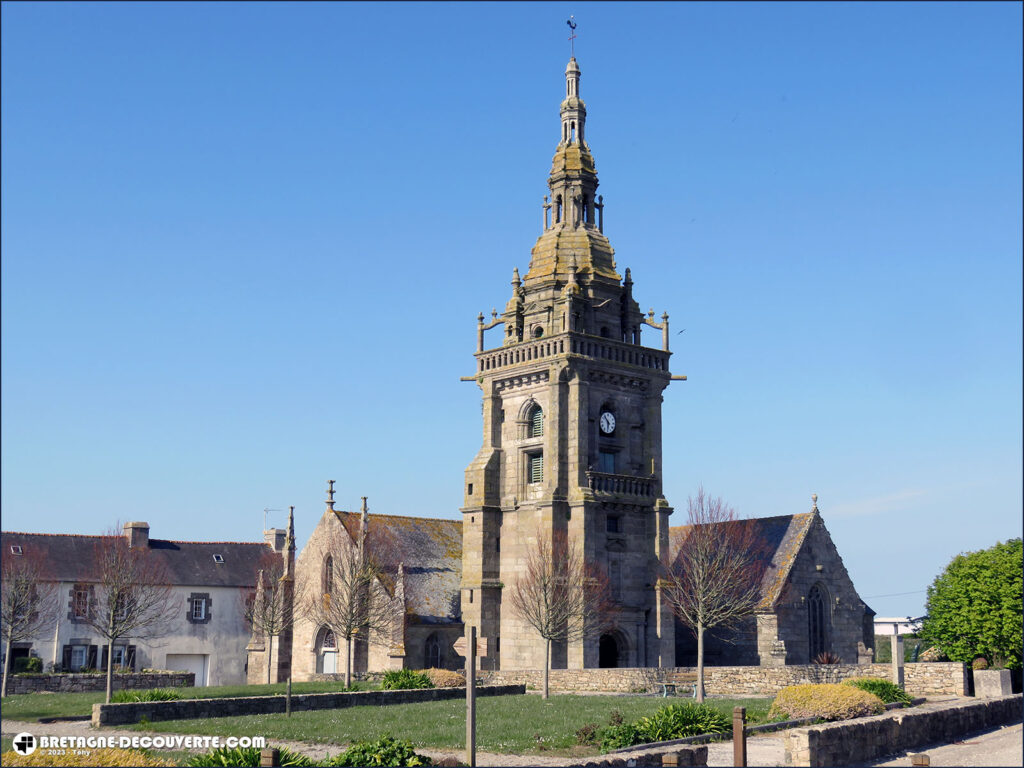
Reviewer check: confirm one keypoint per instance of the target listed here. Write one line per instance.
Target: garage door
(190, 662)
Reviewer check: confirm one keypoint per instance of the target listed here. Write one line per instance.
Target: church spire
(574, 111)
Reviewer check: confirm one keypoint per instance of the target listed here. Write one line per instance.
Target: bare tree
(362, 592)
(28, 604)
(133, 596)
(560, 595)
(715, 578)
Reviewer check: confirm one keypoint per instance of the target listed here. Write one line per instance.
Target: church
(572, 448)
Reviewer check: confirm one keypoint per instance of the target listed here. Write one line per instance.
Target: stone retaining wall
(77, 683)
(922, 679)
(656, 757)
(857, 742)
(189, 709)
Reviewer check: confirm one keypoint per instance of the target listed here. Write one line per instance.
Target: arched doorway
(608, 652)
(326, 652)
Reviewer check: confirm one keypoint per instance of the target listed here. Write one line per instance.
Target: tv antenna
(265, 510)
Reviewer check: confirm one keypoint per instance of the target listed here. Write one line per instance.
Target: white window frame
(199, 602)
(75, 650)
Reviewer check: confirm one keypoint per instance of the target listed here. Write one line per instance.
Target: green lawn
(509, 724)
(33, 706)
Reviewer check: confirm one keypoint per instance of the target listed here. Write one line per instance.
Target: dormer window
(218, 559)
(16, 549)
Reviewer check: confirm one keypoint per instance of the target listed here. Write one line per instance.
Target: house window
(611, 524)
(15, 549)
(606, 462)
(535, 467)
(536, 422)
(80, 604)
(330, 641)
(218, 559)
(199, 608)
(78, 657)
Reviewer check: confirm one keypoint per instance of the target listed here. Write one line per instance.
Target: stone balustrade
(593, 347)
(605, 483)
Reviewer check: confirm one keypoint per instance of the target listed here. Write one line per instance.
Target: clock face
(607, 422)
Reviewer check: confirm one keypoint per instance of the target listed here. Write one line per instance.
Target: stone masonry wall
(77, 683)
(861, 741)
(922, 679)
(188, 709)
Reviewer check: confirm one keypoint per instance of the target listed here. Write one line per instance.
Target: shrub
(980, 663)
(151, 694)
(615, 717)
(111, 757)
(445, 678)
(397, 679)
(828, 701)
(618, 736)
(243, 757)
(886, 690)
(826, 657)
(384, 751)
(677, 721)
(587, 735)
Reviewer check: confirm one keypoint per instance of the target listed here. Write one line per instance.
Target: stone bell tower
(572, 431)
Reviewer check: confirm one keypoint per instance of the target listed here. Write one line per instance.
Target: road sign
(461, 645)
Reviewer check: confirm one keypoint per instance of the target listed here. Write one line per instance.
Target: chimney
(137, 534)
(274, 538)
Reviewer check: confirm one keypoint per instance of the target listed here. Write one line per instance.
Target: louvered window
(536, 422)
(535, 467)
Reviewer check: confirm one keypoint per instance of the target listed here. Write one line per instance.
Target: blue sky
(244, 247)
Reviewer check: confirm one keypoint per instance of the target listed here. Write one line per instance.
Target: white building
(210, 581)
(897, 625)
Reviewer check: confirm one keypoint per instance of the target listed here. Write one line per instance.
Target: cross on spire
(572, 36)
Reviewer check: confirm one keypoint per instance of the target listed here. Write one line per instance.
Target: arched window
(817, 621)
(328, 574)
(432, 652)
(536, 422)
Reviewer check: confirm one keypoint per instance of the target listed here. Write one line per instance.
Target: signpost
(470, 653)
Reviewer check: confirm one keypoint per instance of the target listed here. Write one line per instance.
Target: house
(209, 582)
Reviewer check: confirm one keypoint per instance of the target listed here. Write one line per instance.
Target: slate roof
(430, 551)
(71, 557)
(782, 537)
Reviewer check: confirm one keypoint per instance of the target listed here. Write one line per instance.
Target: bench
(675, 680)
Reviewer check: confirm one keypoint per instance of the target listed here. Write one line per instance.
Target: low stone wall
(77, 683)
(656, 756)
(190, 709)
(921, 679)
(857, 742)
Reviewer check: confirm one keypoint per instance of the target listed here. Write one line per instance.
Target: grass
(5, 743)
(505, 724)
(33, 706)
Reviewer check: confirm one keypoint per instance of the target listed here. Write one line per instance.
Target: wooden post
(270, 758)
(471, 699)
(288, 696)
(739, 736)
